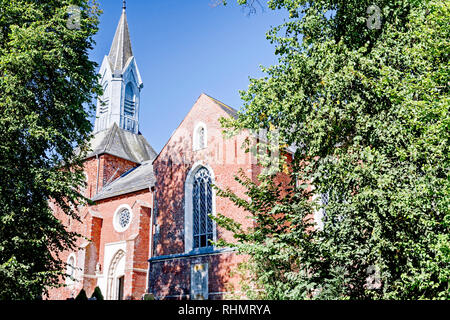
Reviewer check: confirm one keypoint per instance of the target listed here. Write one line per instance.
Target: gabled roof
(137, 179)
(121, 50)
(123, 144)
(229, 110)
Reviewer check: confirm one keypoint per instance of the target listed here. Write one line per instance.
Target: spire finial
(121, 50)
(124, 5)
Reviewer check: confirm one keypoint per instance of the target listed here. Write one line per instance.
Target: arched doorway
(116, 277)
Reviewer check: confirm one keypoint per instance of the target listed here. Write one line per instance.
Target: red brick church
(149, 231)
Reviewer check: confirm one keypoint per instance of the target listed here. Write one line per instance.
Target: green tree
(362, 91)
(97, 294)
(82, 296)
(47, 85)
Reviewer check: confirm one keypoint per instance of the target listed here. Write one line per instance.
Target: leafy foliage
(368, 110)
(47, 85)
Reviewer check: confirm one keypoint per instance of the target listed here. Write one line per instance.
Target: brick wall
(171, 279)
(225, 157)
(103, 169)
(136, 237)
(97, 226)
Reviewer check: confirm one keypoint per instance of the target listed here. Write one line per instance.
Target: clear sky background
(184, 48)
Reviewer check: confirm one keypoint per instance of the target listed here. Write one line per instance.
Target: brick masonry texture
(225, 157)
(161, 233)
(170, 279)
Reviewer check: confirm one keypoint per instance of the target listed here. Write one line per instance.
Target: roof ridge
(229, 110)
(139, 178)
(221, 103)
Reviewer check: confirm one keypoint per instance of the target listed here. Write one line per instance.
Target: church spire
(121, 50)
(121, 83)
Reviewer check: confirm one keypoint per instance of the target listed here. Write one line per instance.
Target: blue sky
(184, 48)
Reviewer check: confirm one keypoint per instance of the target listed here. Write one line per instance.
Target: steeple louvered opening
(129, 121)
(104, 100)
(130, 101)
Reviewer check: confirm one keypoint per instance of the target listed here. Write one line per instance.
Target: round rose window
(122, 219)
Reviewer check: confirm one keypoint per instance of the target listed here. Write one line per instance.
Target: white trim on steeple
(119, 68)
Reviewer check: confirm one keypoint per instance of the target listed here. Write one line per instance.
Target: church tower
(121, 82)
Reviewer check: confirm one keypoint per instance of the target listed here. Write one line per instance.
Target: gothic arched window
(71, 267)
(70, 271)
(202, 201)
(200, 137)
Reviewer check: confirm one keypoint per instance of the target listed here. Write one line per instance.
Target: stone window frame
(117, 226)
(195, 142)
(70, 277)
(188, 208)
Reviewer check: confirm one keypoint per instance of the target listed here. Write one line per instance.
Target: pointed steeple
(121, 83)
(121, 50)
